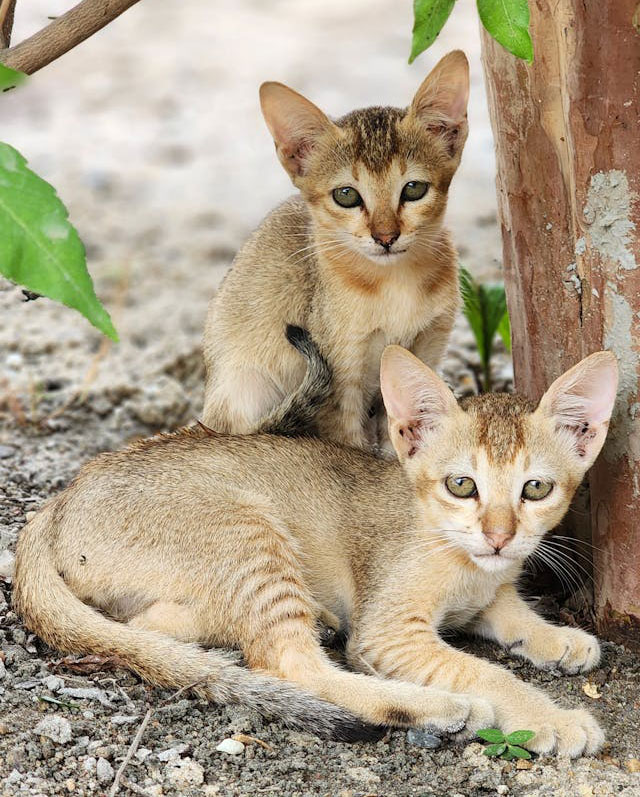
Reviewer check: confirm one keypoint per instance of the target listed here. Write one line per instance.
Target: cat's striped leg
(409, 648)
(511, 622)
(276, 620)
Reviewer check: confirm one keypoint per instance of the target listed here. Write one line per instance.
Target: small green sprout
(485, 308)
(507, 747)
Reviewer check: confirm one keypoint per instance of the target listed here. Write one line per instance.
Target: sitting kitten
(248, 541)
(360, 259)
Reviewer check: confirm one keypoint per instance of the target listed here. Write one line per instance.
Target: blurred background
(152, 134)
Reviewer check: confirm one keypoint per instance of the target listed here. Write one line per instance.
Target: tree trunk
(567, 131)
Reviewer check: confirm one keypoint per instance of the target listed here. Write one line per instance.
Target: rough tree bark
(567, 131)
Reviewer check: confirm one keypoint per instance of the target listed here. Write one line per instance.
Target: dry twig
(63, 34)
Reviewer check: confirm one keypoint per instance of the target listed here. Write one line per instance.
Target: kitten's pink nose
(385, 239)
(498, 539)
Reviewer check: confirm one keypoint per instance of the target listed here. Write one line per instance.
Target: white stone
(185, 772)
(53, 683)
(104, 771)
(231, 746)
(89, 764)
(58, 729)
(7, 560)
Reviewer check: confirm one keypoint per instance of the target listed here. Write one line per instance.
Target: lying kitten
(360, 258)
(194, 539)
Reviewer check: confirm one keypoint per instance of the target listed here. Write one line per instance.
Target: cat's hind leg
(172, 619)
(237, 399)
(275, 616)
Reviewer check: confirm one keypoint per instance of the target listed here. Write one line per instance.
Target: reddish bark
(567, 131)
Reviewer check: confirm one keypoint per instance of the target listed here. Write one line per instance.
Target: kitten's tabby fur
(316, 264)
(250, 541)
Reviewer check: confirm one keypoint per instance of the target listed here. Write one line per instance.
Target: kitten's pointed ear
(416, 399)
(295, 124)
(580, 402)
(441, 101)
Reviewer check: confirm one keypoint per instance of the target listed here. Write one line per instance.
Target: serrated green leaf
(39, 247)
(494, 735)
(494, 749)
(517, 752)
(10, 78)
(429, 17)
(520, 737)
(508, 22)
(504, 330)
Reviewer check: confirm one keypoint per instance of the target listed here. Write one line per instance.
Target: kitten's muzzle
(385, 239)
(498, 539)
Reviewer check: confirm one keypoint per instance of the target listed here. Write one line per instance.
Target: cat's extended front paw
(568, 649)
(570, 733)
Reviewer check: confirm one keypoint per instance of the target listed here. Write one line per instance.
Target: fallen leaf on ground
(87, 665)
(632, 765)
(242, 737)
(591, 690)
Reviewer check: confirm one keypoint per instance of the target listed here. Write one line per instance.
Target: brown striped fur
(316, 264)
(251, 541)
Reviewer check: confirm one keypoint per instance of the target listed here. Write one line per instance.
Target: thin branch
(63, 34)
(7, 10)
(134, 746)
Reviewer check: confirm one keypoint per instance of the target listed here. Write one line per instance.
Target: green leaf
(484, 307)
(520, 737)
(504, 330)
(39, 248)
(428, 18)
(495, 749)
(10, 78)
(508, 22)
(494, 735)
(518, 752)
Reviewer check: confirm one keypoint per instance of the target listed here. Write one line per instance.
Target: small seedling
(485, 308)
(507, 747)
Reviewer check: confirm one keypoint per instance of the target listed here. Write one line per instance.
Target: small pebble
(58, 729)
(6, 452)
(124, 719)
(423, 739)
(53, 683)
(231, 746)
(7, 560)
(104, 770)
(185, 773)
(172, 753)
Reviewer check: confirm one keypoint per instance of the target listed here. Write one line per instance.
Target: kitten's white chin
(386, 258)
(491, 563)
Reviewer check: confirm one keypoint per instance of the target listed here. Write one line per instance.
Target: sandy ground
(151, 133)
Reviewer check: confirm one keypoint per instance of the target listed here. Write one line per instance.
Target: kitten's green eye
(536, 490)
(347, 197)
(413, 190)
(461, 486)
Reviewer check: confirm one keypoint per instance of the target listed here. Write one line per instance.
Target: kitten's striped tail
(51, 609)
(296, 415)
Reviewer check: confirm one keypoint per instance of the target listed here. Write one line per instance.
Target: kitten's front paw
(568, 649)
(567, 733)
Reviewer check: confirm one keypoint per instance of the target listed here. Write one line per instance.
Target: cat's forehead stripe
(500, 424)
(374, 135)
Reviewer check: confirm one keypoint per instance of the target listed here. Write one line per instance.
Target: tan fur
(315, 264)
(249, 541)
